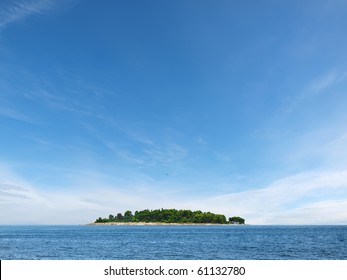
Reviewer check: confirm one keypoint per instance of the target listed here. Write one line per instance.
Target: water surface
(173, 242)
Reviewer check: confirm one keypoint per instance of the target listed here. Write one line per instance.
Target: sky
(229, 106)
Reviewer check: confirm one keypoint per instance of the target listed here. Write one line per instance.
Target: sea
(173, 242)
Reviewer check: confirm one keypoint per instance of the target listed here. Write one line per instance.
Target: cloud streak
(284, 201)
(316, 197)
(15, 115)
(322, 83)
(19, 10)
(314, 88)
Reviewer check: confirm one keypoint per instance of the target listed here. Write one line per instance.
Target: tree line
(170, 216)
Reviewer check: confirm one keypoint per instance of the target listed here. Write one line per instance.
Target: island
(169, 216)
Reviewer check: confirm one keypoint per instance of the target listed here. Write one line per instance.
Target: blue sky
(234, 107)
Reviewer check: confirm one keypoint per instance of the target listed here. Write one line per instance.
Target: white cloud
(82, 199)
(283, 201)
(317, 197)
(322, 212)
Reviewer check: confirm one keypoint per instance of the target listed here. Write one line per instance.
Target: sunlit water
(173, 242)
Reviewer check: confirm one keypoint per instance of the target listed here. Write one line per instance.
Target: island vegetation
(171, 216)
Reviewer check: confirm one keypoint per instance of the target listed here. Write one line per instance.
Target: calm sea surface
(173, 242)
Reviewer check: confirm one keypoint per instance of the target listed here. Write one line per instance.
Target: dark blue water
(173, 242)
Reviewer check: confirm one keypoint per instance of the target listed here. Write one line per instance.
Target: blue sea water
(173, 242)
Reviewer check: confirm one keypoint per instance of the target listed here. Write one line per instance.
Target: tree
(237, 220)
(101, 220)
(170, 216)
(128, 216)
(119, 217)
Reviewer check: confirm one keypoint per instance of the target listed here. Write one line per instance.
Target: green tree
(236, 220)
(128, 216)
(119, 217)
(170, 216)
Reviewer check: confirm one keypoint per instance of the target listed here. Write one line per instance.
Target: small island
(169, 216)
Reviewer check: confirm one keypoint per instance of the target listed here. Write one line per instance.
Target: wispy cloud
(320, 84)
(165, 155)
(314, 88)
(138, 137)
(152, 156)
(324, 147)
(58, 102)
(19, 10)
(13, 191)
(316, 197)
(322, 212)
(201, 142)
(13, 114)
(86, 198)
(10, 194)
(128, 156)
(282, 201)
(139, 148)
(9, 187)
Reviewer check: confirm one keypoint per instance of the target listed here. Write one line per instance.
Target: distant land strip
(167, 217)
